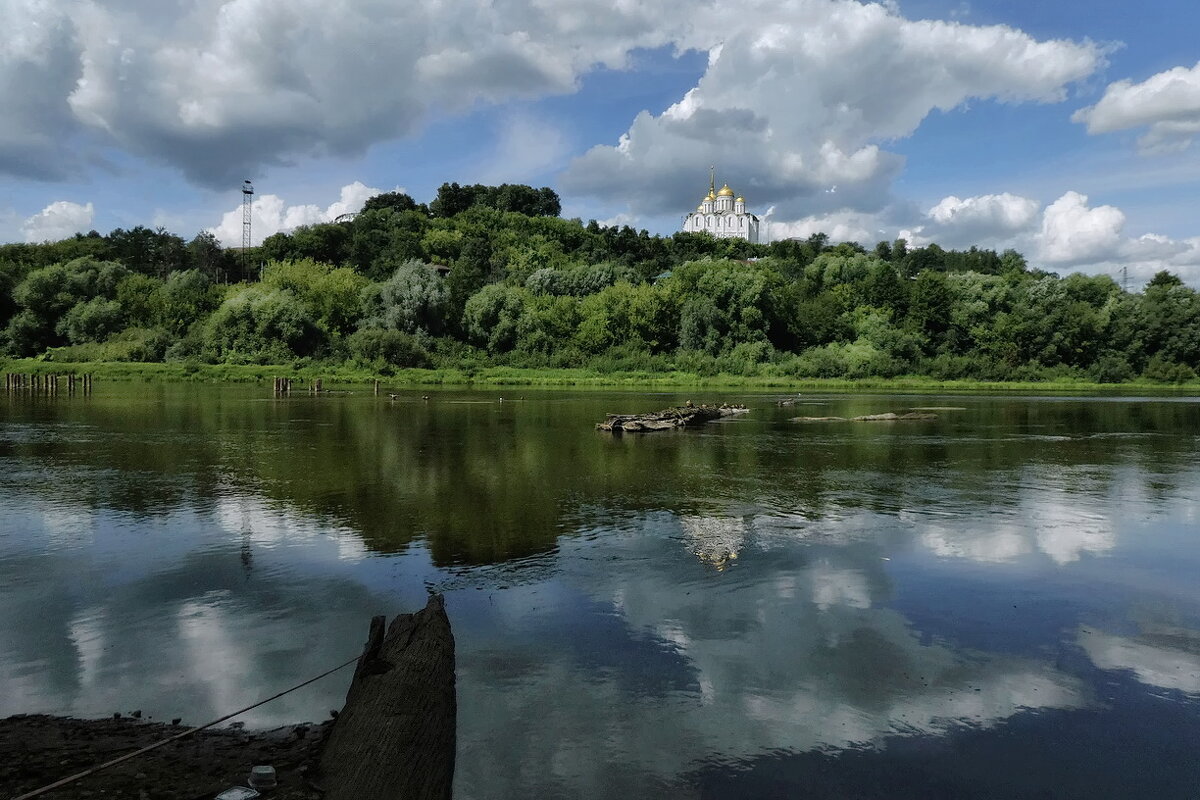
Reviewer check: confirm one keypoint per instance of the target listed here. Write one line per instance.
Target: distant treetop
(453, 199)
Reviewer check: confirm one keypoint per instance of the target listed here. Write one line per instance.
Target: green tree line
(488, 275)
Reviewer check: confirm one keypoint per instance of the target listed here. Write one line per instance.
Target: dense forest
(491, 275)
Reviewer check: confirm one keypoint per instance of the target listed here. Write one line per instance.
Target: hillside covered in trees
(491, 275)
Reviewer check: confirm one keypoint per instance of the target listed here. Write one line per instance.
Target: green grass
(344, 375)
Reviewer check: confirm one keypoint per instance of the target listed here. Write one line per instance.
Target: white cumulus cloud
(270, 214)
(977, 220)
(59, 220)
(1074, 233)
(988, 220)
(1066, 235)
(839, 226)
(218, 88)
(799, 96)
(1168, 104)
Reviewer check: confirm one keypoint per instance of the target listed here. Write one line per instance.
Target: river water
(1002, 602)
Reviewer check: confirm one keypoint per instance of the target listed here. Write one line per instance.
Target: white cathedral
(722, 215)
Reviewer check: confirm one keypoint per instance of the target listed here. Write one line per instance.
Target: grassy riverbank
(344, 375)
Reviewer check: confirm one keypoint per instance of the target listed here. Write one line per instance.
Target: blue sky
(1063, 129)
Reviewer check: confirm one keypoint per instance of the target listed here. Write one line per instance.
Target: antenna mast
(247, 202)
(1125, 279)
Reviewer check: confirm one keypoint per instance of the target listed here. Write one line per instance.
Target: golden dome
(700, 207)
(725, 191)
(740, 200)
(711, 196)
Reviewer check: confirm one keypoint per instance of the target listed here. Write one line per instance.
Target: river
(1001, 602)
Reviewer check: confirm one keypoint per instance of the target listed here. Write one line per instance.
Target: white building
(722, 215)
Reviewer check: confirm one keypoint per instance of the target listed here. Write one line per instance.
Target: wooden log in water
(395, 737)
(677, 417)
(912, 416)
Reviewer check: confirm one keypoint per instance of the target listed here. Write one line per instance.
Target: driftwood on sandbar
(395, 737)
(678, 417)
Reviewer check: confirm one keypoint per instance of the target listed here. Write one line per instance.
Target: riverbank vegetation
(349, 376)
(488, 283)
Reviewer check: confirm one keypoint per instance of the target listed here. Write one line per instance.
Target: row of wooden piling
(283, 386)
(49, 383)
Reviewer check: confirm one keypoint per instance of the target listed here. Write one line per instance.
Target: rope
(93, 770)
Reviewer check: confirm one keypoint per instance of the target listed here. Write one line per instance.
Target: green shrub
(91, 321)
(1160, 370)
(374, 346)
(414, 300)
(1111, 368)
(134, 344)
(493, 315)
(260, 326)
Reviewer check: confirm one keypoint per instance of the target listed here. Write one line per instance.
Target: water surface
(1001, 602)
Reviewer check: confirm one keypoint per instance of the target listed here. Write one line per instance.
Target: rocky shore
(39, 750)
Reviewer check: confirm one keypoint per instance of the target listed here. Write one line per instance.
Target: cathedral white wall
(724, 226)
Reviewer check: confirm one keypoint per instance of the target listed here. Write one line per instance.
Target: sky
(1066, 130)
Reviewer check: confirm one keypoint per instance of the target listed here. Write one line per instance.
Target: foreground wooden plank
(395, 737)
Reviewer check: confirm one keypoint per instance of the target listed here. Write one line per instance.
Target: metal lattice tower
(247, 202)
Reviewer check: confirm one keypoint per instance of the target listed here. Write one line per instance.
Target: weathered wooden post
(376, 387)
(395, 737)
